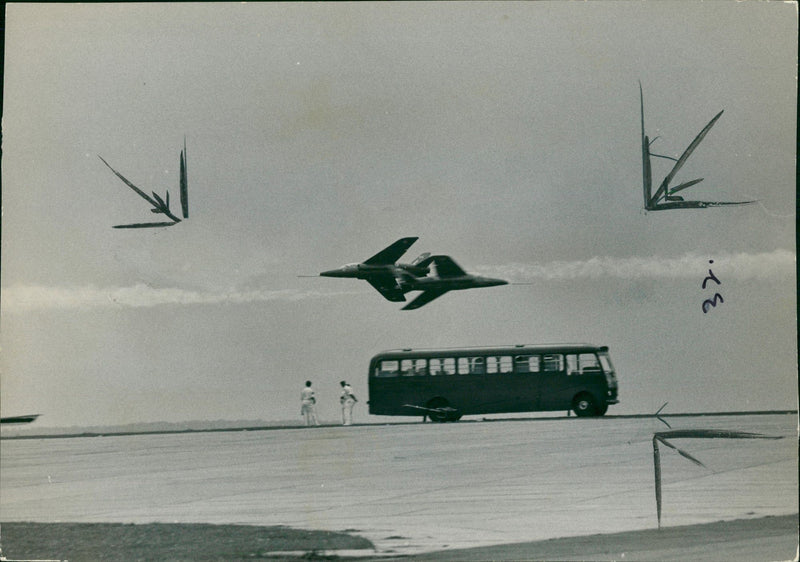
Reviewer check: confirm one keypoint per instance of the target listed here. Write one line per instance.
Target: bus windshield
(605, 361)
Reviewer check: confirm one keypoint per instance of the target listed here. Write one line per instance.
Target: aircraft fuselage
(366, 271)
(450, 283)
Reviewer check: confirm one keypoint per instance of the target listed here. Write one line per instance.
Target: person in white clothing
(347, 400)
(308, 403)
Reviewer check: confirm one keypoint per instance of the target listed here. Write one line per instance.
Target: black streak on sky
(665, 193)
(159, 205)
(717, 298)
(691, 434)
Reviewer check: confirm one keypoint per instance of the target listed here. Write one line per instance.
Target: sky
(506, 135)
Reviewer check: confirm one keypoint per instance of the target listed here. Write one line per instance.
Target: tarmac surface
(413, 488)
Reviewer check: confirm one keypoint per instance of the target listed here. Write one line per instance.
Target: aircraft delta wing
(424, 298)
(393, 253)
(387, 285)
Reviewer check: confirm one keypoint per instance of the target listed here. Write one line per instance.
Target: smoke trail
(778, 263)
(35, 297)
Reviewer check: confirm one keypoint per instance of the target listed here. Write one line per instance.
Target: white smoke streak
(779, 263)
(734, 266)
(36, 297)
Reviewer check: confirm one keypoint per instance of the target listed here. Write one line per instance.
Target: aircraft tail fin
(446, 267)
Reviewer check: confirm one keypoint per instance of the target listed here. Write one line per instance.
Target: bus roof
(520, 349)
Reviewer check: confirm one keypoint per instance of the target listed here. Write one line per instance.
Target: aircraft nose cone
(332, 273)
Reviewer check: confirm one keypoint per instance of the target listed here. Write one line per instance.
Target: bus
(445, 384)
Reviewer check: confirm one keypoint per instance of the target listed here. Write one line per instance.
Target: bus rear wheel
(584, 405)
(443, 411)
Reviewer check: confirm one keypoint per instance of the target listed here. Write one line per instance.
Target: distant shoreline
(96, 433)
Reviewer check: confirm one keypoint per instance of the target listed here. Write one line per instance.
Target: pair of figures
(308, 403)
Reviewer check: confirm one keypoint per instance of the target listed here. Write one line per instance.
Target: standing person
(308, 403)
(347, 400)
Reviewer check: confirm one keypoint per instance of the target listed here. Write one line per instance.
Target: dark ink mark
(19, 419)
(184, 182)
(710, 302)
(717, 297)
(159, 205)
(665, 192)
(691, 434)
(712, 277)
(662, 420)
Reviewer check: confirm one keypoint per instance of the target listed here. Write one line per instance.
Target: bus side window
(435, 367)
(553, 363)
(406, 367)
(388, 369)
(477, 367)
(572, 364)
(464, 366)
(449, 366)
(527, 363)
(420, 367)
(506, 364)
(491, 365)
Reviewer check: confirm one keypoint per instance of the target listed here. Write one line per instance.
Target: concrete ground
(412, 489)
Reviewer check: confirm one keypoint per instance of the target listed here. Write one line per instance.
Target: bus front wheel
(584, 405)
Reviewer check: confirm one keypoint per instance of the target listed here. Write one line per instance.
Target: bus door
(415, 382)
(526, 381)
(553, 385)
(586, 375)
(397, 381)
(499, 392)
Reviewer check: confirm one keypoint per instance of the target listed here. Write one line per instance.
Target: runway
(415, 487)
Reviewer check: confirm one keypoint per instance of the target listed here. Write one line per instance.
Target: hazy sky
(506, 135)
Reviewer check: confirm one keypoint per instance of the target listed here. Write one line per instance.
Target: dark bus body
(446, 384)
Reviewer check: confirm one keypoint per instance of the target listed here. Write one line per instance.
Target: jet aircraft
(381, 270)
(449, 277)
